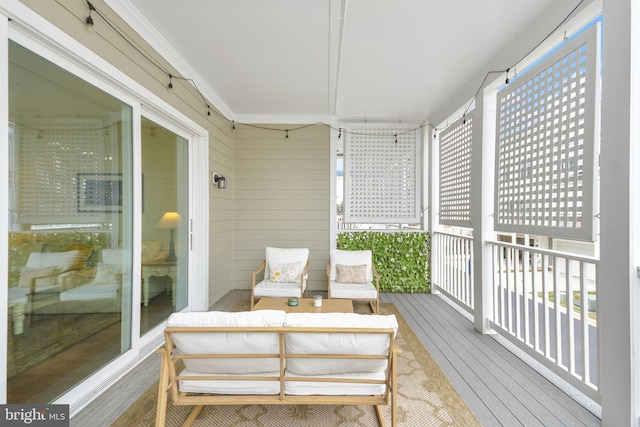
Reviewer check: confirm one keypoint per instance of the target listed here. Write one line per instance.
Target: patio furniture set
(283, 352)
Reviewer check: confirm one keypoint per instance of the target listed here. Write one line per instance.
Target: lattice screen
(546, 167)
(51, 153)
(455, 173)
(382, 175)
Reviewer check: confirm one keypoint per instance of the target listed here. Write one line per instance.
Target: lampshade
(170, 220)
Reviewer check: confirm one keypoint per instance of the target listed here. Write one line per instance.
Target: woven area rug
(425, 398)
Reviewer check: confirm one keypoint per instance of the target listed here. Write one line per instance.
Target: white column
(619, 297)
(482, 204)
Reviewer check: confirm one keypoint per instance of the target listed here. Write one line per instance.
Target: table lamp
(170, 220)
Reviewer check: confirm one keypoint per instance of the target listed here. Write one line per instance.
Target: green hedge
(401, 258)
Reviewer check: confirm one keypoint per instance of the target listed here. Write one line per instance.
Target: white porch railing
(451, 267)
(545, 302)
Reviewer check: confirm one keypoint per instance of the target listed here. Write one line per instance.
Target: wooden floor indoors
(498, 387)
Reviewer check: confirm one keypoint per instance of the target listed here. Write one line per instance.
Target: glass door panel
(70, 229)
(164, 224)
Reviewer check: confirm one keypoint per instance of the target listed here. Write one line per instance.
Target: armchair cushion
(351, 273)
(46, 276)
(275, 256)
(353, 290)
(108, 274)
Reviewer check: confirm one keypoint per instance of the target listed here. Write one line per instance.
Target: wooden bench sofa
(269, 357)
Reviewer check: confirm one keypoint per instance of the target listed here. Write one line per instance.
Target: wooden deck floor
(500, 389)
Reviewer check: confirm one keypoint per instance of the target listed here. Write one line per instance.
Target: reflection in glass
(70, 229)
(164, 224)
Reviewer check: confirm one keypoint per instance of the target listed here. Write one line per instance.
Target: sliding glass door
(78, 281)
(164, 224)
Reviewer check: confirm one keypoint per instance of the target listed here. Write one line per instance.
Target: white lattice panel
(51, 154)
(382, 179)
(455, 173)
(546, 144)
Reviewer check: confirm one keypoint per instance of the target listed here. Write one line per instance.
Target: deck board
(498, 387)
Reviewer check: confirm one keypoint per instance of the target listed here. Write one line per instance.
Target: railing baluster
(584, 322)
(570, 318)
(558, 311)
(517, 282)
(525, 295)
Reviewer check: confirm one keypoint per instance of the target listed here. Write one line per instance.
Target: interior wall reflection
(164, 224)
(70, 229)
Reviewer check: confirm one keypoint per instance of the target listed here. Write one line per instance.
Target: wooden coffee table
(305, 305)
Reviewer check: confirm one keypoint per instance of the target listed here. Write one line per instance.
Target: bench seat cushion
(228, 342)
(337, 343)
(230, 386)
(306, 388)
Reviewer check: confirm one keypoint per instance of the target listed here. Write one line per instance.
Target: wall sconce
(220, 180)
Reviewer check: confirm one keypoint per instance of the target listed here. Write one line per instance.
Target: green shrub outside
(401, 258)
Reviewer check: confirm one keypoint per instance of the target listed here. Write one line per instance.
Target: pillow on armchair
(64, 261)
(46, 276)
(154, 250)
(284, 273)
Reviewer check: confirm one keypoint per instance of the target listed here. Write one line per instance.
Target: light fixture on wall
(220, 180)
(170, 220)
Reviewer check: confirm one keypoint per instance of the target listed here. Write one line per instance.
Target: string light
(89, 20)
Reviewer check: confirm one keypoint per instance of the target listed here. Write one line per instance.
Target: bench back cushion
(338, 342)
(228, 342)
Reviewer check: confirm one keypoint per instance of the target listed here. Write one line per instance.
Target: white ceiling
(345, 59)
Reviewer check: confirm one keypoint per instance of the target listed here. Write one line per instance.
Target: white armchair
(352, 275)
(102, 293)
(285, 274)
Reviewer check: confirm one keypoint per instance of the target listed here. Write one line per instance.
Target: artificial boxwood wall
(401, 258)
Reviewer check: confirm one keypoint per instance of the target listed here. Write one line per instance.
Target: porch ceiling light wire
(234, 123)
(566, 18)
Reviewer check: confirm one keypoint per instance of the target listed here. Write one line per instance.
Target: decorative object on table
(170, 220)
(293, 302)
(317, 301)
